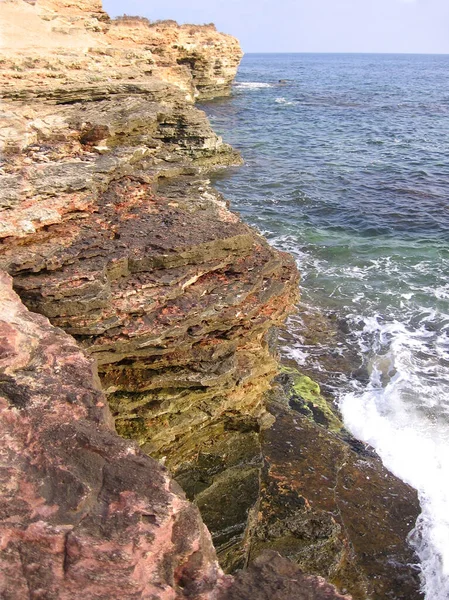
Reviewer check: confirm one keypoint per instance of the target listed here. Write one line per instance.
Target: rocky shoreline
(157, 317)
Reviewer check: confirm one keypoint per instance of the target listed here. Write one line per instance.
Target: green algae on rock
(305, 396)
(320, 500)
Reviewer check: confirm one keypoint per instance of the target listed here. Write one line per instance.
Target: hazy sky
(310, 25)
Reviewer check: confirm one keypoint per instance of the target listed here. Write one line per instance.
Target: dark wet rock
(322, 497)
(272, 577)
(361, 374)
(360, 513)
(224, 482)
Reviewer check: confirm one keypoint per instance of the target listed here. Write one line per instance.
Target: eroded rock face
(127, 247)
(271, 577)
(82, 509)
(70, 49)
(110, 228)
(122, 242)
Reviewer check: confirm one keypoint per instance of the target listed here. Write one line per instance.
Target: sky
(417, 26)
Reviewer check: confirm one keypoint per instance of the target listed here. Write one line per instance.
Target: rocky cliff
(68, 50)
(82, 509)
(110, 229)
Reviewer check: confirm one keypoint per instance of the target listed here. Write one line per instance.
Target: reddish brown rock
(271, 577)
(81, 509)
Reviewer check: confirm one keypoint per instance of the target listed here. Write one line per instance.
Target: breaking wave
(251, 85)
(404, 414)
(353, 179)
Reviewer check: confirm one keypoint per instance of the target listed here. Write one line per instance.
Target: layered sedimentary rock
(80, 508)
(71, 50)
(110, 228)
(123, 243)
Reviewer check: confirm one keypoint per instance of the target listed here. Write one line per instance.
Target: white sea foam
(251, 85)
(296, 352)
(404, 414)
(283, 101)
(330, 217)
(440, 292)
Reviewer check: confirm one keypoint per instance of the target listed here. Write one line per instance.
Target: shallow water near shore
(347, 168)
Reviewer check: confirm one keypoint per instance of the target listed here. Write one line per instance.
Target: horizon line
(346, 52)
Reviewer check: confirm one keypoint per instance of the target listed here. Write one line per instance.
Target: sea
(347, 167)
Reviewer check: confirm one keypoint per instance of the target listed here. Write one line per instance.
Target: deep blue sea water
(347, 167)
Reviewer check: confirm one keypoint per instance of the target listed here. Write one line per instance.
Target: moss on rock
(305, 396)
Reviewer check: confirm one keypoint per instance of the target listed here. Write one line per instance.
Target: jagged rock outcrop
(122, 243)
(328, 504)
(70, 50)
(110, 228)
(81, 509)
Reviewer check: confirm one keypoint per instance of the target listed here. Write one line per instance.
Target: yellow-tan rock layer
(110, 227)
(63, 49)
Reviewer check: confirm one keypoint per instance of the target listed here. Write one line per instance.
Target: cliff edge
(64, 49)
(83, 510)
(169, 305)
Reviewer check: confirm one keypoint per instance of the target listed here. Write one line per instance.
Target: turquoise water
(347, 167)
